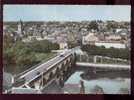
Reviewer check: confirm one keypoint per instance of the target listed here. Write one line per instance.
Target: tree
(8, 52)
(93, 25)
(110, 52)
(7, 41)
(111, 25)
(43, 46)
(18, 56)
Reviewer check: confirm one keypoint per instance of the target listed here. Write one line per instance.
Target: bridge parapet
(47, 70)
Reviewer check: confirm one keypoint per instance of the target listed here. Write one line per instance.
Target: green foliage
(20, 55)
(43, 46)
(111, 25)
(7, 41)
(110, 52)
(93, 25)
(72, 45)
(44, 56)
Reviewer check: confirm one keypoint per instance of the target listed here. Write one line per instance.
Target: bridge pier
(42, 76)
(61, 82)
(44, 81)
(37, 85)
(95, 59)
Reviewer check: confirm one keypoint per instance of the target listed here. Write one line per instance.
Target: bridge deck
(111, 66)
(32, 74)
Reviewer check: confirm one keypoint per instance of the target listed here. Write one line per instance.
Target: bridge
(57, 69)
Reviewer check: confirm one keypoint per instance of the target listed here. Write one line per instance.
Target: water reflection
(108, 82)
(99, 73)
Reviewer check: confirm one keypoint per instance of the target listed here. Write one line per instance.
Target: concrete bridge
(57, 69)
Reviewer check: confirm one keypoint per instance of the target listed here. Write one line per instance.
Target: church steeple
(20, 28)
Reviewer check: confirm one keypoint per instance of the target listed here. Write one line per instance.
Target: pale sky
(66, 12)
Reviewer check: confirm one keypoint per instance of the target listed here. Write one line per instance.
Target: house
(101, 37)
(118, 30)
(89, 39)
(113, 37)
(63, 45)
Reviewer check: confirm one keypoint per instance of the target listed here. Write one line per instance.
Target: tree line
(22, 54)
(110, 52)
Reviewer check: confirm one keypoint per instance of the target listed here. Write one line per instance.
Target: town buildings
(74, 32)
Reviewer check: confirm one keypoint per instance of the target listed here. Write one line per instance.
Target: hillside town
(29, 44)
(66, 49)
(96, 32)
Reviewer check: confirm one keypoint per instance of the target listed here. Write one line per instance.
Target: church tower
(20, 28)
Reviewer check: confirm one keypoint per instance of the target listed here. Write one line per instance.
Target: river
(111, 85)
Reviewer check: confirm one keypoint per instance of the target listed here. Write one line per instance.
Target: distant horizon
(65, 21)
(64, 13)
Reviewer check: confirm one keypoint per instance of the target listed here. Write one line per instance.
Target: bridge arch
(69, 59)
(44, 81)
(54, 70)
(57, 72)
(51, 75)
(62, 66)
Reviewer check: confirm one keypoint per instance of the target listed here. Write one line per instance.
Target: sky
(66, 12)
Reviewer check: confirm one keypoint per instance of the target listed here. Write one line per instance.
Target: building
(110, 44)
(101, 37)
(31, 38)
(118, 30)
(63, 45)
(89, 39)
(20, 29)
(113, 38)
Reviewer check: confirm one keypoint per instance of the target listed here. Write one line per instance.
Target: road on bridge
(32, 74)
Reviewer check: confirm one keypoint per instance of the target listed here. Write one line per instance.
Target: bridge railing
(101, 59)
(105, 59)
(17, 76)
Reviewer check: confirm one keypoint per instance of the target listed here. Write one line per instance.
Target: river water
(118, 84)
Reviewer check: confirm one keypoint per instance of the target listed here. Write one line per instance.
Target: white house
(113, 37)
(89, 39)
(63, 45)
(109, 45)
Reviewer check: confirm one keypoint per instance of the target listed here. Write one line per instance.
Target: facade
(89, 39)
(110, 44)
(20, 28)
(63, 45)
(113, 38)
